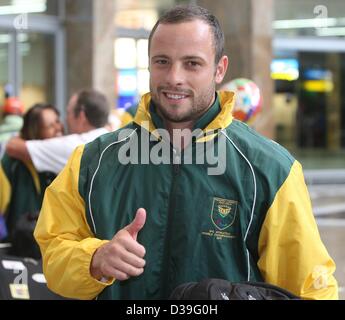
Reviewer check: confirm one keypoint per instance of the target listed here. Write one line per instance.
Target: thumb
(137, 224)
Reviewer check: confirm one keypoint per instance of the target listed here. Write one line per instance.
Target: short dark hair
(95, 106)
(32, 121)
(186, 13)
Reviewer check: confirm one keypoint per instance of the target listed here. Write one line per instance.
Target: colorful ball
(248, 101)
(13, 106)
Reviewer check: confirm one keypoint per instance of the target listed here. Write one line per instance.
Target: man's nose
(175, 75)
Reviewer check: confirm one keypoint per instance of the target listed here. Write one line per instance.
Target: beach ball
(248, 100)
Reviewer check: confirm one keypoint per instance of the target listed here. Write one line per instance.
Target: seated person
(21, 187)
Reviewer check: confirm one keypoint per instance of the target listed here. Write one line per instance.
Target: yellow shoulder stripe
(291, 252)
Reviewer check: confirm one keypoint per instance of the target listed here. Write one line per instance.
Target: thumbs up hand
(122, 257)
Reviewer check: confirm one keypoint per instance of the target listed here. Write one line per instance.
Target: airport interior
(293, 50)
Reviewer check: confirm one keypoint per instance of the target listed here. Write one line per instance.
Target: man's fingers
(115, 273)
(123, 271)
(135, 248)
(120, 276)
(130, 252)
(134, 260)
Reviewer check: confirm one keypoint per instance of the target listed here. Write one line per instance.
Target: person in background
(21, 187)
(114, 226)
(87, 119)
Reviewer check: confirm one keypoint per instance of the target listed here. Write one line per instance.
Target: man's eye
(161, 61)
(193, 63)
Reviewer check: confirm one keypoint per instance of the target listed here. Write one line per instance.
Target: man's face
(72, 120)
(183, 74)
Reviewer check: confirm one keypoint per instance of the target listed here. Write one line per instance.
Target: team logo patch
(223, 213)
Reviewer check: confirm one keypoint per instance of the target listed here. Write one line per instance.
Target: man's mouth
(175, 96)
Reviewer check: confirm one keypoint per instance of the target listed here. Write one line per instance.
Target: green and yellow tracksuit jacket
(252, 222)
(21, 189)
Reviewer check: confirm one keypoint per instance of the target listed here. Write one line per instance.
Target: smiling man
(138, 230)
(183, 77)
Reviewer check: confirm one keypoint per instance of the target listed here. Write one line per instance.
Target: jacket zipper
(176, 171)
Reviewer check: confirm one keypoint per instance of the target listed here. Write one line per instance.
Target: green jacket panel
(25, 198)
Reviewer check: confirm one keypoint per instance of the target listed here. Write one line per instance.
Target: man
(117, 227)
(87, 116)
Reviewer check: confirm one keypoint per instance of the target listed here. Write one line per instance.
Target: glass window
(309, 110)
(37, 54)
(142, 53)
(4, 46)
(48, 7)
(131, 63)
(125, 53)
(143, 81)
(309, 18)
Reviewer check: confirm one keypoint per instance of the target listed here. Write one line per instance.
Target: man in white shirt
(87, 117)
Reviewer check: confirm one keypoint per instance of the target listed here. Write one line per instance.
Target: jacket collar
(221, 119)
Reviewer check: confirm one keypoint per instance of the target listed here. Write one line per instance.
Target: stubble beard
(199, 106)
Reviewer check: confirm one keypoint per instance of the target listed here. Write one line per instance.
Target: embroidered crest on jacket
(223, 213)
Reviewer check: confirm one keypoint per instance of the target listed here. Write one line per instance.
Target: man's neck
(87, 127)
(180, 133)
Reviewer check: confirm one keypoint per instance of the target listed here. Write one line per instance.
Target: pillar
(247, 25)
(90, 46)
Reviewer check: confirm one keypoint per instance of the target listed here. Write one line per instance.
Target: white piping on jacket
(254, 198)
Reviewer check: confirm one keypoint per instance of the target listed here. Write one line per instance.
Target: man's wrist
(95, 270)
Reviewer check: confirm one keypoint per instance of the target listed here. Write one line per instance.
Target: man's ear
(82, 118)
(221, 68)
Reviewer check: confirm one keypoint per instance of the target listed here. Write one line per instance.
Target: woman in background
(21, 186)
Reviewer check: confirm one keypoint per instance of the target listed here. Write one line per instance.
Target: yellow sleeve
(291, 252)
(64, 236)
(5, 191)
